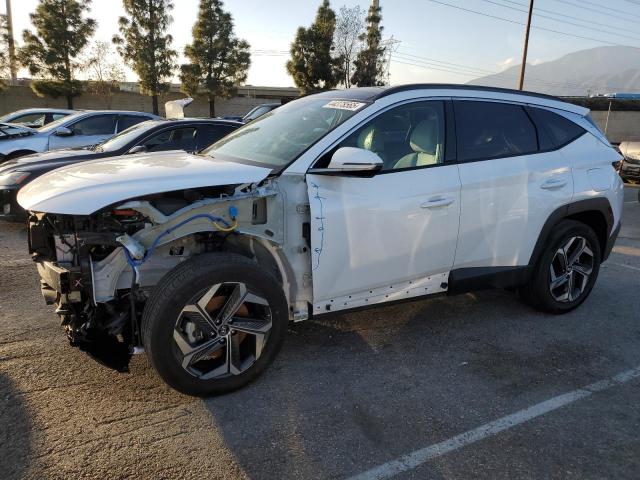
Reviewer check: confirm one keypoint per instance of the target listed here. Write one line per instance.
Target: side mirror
(138, 149)
(63, 132)
(351, 159)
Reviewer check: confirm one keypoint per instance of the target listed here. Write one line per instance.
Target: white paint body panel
(593, 175)
(368, 233)
(505, 203)
(84, 188)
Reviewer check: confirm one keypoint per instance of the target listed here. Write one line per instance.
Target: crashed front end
(65, 249)
(100, 269)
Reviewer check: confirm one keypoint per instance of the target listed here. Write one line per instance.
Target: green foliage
(219, 61)
(145, 46)
(61, 33)
(370, 63)
(313, 64)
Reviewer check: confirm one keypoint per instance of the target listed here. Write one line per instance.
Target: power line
(624, 12)
(599, 11)
(606, 42)
(540, 15)
(588, 21)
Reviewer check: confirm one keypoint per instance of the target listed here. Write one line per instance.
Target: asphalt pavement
(473, 386)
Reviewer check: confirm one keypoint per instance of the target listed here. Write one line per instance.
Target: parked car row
(335, 201)
(147, 136)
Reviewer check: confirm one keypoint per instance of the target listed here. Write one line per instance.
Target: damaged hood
(87, 187)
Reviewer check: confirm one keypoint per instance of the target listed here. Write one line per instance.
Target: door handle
(437, 202)
(553, 183)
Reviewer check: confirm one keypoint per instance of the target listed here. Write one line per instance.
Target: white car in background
(340, 200)
(80, 129)
(35, 117)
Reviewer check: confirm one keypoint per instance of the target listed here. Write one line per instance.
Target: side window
(488, 130)
(126, 121)
(183, 138)
(407, 136)
(31, 119)
(96, 125)
(57, 116)
(560, 130)
(210, 134)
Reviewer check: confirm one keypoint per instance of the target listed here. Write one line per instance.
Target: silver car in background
(80, 129)
(36, 117)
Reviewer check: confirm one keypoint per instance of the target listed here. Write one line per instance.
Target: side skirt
(382, 295)
(465, 280)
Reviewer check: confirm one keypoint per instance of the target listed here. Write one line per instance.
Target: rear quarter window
(560, 130)
(487, 130)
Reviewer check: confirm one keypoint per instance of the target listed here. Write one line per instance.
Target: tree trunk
(212, 106)
(70, 102)
(154, 99)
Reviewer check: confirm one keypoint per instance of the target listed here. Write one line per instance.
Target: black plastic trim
(600, 204)
(463, 280)
(611, 241)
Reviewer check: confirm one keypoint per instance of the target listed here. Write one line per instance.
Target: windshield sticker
(344, 105)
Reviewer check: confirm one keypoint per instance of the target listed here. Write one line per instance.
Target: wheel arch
(18, 153)
(593, 212)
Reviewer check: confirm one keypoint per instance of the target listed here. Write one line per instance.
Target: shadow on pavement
(15, 432)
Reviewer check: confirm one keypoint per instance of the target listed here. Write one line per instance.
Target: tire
(18, 154)
(539, 291)
(170, 327)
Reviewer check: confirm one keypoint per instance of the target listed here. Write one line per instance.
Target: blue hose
(136, 263)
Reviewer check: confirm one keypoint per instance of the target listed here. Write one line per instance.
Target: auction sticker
(344, 105)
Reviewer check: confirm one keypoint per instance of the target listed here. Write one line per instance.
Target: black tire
(18, 154)
(538, 291)
(177, 289)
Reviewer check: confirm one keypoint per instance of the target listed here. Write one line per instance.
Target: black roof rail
(454, 86)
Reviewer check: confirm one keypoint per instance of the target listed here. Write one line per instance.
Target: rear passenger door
(512, 180)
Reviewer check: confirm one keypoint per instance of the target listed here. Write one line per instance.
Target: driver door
(391, 235)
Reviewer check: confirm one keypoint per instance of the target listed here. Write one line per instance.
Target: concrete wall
(18, 97)
(623, 126)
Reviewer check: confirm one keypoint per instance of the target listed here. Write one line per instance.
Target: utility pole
(12, 45)
(526, 46)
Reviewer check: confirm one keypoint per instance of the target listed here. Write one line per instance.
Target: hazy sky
(443, 44)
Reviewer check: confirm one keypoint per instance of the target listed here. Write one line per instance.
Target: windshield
(280, 136)
(126, 136)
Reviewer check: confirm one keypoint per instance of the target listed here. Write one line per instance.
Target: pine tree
(61, 33)
(145, 46)
(369, 64)
(313, 65)
(219, 60)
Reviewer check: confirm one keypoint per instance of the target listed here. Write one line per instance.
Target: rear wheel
(214, 324)
(567, 270)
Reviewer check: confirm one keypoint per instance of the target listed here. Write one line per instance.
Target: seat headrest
(424, 138)
(369, 139)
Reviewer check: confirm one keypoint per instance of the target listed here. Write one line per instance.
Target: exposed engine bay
(99, 270)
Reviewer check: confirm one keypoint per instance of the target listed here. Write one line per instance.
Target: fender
(599, 204)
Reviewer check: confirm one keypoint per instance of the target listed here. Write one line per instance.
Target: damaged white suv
(335, 201)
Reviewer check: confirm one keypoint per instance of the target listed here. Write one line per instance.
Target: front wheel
(567, 270)
(214, 323)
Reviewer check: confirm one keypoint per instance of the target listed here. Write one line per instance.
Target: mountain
(592, 71)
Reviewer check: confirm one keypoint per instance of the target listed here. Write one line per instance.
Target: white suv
(335, 201)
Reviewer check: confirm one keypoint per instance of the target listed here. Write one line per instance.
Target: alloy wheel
(222, 331)
(571, 269)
